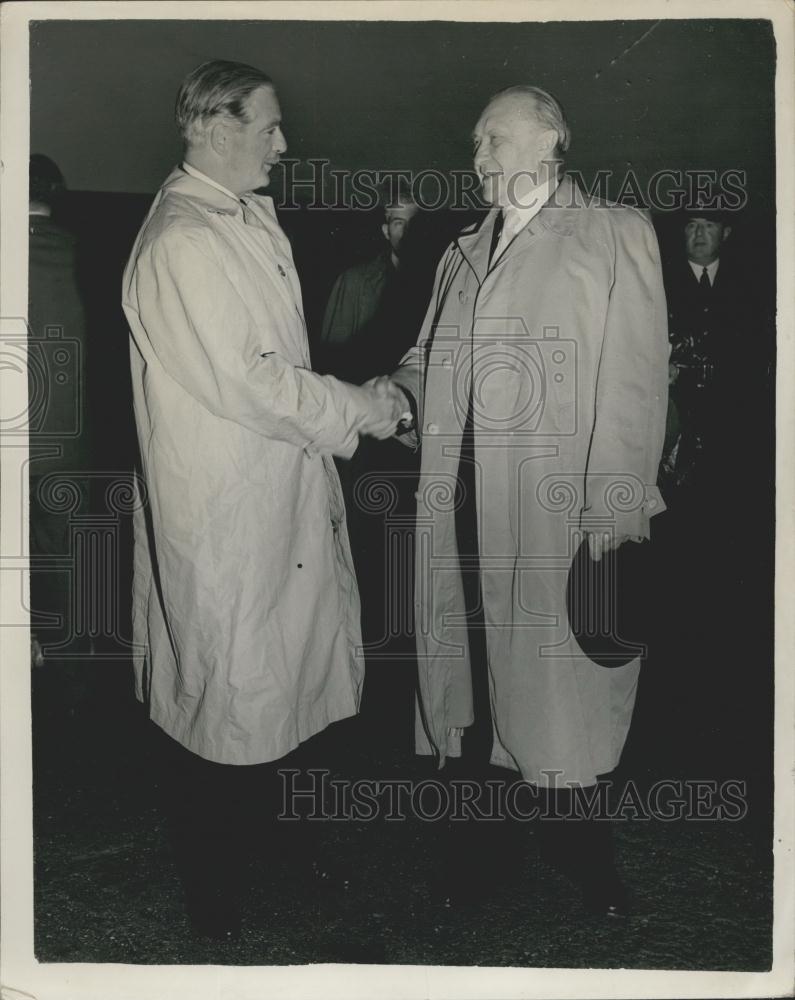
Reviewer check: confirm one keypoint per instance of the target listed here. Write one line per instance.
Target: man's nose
(280, 146)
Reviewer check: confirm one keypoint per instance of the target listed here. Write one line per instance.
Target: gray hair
(548, 110)
(216, 89)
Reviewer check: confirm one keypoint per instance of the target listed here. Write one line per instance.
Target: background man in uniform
(540, 384)
(715, 478)
(246, 609)
(705, 310)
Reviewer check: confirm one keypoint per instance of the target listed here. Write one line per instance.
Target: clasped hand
(387, 407)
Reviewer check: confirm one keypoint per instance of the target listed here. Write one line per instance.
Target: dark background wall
(677, 94)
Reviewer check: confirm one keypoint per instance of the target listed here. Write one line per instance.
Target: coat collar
(559, 215)
(212, 199)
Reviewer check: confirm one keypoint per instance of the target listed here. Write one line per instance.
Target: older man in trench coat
(543, 358)
(245, 606)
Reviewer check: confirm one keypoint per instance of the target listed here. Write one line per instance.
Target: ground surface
(107, 891)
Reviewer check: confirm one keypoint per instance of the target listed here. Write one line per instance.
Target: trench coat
(245, 607)
(561, 345)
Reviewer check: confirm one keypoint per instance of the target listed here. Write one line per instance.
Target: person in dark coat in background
(59, 437)
(721, 382)
(372, 317)
(716, 477)
(709, 317)
(376, 307)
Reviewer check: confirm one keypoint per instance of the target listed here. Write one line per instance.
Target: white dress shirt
(712, 269)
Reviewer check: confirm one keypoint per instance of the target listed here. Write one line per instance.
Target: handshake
(387, 406)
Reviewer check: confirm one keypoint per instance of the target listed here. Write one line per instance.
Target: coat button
(432, 429)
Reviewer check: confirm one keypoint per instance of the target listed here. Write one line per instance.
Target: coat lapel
(475, 244)
(559, 216)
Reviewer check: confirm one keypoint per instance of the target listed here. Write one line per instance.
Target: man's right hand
(387, 406)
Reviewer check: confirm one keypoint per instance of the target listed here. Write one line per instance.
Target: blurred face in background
(704, 239)
(397, 224)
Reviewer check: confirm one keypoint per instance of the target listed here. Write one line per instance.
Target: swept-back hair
(216, 89)
(548, 110)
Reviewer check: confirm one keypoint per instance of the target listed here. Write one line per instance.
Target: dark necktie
(704, 281)
(499, 222)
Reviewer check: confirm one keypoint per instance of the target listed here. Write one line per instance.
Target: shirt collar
(532, 202)
(712, 269)
(208, 180)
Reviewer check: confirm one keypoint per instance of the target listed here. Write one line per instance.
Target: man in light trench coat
(245, 607)
(539, 383)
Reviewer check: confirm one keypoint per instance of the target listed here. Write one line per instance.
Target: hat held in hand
(608, 602)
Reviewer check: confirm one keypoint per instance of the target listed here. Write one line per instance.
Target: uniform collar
(712, 269)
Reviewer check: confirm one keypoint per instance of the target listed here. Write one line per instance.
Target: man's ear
(385, 231)
(548, 140)
(218, 137)
(727, 230)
